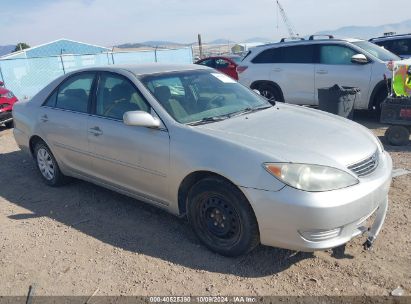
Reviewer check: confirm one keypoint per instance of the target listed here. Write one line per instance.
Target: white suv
(294, 71)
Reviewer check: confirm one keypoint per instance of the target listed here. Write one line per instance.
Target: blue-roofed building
(56, 48)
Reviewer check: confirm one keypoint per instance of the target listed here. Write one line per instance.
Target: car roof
(305, 41)
(147, 68)
(391, 37)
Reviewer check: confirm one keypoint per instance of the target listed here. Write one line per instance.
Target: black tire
(270, 92)
(47, 166)
(397, 135)
(9, 124)
(222, 218)
(379, 98)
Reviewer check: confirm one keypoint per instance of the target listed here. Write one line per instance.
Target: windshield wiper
(250, 110)
(207, 120)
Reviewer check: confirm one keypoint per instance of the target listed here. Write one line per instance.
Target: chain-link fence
(27, 76)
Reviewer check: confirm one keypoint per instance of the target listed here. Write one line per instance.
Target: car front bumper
(309, 221)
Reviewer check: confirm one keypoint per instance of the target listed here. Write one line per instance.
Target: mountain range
(367, 32)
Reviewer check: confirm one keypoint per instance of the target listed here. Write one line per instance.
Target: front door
(335, 67)
(135, 159)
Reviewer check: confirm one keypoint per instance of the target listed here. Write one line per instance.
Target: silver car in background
(196, 143)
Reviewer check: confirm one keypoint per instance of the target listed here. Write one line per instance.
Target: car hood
(297, 134)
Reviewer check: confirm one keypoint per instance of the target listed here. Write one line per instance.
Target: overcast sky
(110, 22)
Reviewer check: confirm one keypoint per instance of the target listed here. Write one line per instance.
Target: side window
(336, 54)
(221, 63)
(117, 95)
(268, 56)
(401, 46)
(298, 54)
(209, 62)
(74, 93)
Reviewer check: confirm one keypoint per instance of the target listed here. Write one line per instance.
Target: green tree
(21, 46)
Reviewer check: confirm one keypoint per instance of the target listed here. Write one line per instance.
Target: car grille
(366, 166)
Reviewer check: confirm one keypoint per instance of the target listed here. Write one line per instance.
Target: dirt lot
(81, 238)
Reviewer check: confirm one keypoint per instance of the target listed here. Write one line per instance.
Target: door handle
(277, 69)
(322, 72)
(96, 131)
(44, 118)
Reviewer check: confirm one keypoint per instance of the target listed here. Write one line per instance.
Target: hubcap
(45, 163)
(219, 218)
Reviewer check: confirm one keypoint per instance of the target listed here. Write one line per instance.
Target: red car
(225, 64)
(7, 100)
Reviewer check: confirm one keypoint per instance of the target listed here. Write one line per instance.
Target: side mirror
(1, 83)
(231, 66)
(141, 119)
(359, 59)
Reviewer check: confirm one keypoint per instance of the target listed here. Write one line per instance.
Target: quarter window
(74, 93)
(116, 95)
(336, 54)
(268, 56)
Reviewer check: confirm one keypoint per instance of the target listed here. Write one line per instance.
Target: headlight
(313, 178)
(10, 95)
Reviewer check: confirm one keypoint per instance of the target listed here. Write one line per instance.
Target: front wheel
(270, 92)
(47, 166)
(222, 218)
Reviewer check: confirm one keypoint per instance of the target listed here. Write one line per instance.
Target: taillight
(241, 68)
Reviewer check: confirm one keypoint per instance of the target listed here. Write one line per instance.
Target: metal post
(62, 63)
(200, 46)
(155, 53)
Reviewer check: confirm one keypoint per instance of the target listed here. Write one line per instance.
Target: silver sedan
(194, 142)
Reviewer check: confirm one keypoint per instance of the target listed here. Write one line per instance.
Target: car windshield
(376, 51)
(195, 97)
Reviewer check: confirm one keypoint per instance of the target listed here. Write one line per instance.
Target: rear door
(291, 68)
(296, 74)
(63, 121)
(335, 67)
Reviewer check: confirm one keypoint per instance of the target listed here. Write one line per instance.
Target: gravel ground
(82, 238)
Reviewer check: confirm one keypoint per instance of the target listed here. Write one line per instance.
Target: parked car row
(293, 71)
(193, 141)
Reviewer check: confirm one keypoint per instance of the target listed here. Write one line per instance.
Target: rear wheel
(270, 92)
(397, 135)
(47, 166)
(222, 218)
